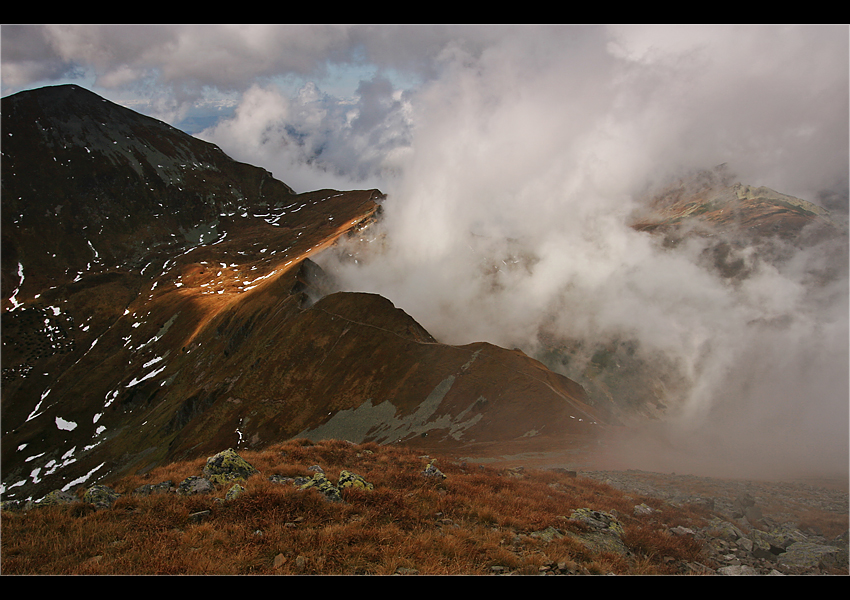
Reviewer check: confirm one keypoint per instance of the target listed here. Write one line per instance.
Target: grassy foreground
(476, 520)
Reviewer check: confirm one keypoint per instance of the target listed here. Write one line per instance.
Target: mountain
(740, 230)
(160, 303)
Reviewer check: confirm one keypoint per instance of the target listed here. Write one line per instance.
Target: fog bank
(509, 217)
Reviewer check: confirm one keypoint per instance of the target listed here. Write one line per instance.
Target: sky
(512, 157)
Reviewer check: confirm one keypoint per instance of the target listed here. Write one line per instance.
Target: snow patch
(65, 425)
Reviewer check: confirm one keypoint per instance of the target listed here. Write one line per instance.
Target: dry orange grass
(475, 519)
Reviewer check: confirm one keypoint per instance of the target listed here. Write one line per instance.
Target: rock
(605, 531)
(324, 486)
(234, 492)
(284, 480)
(563, 471)
(737, 570)
(753, 514)
(643, 509)
(746, 544)
(767, 545)
(12, 505)
(724, 530)
(695, 568)
(101, 496)
(744, 500)
(57, 497)
(227, 466)
(195, 485)
(154, 488)
(597, 519)
(705, 503)
(432, 471)
(807, 555)
(347, 479)
(548, 534)
(300, 562)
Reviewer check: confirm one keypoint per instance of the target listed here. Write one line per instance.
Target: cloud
(313, 140)
(510, 217)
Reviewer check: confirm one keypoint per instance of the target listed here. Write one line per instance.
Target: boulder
(227, 466)
(57, 497)
(101, 496)
(808, 555)
(195, 485)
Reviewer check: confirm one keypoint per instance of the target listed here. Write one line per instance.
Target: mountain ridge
(160, 303)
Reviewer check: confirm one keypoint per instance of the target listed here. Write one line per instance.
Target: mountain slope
(159, 303)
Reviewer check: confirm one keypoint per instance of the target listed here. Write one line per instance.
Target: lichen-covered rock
(284, 480)
(604, 534)
(57, 497)
(807, 555)
(597, 519)
(324, 486)
(154, 488)
(101, 496)
(234, 492)
(431, 470)
(643, 509)
(347, 479)
(227, 466)
(548, 534)
(195, 485)
(724, 530)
